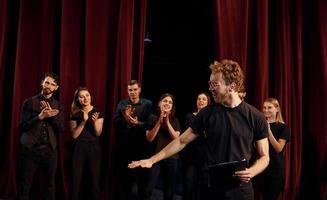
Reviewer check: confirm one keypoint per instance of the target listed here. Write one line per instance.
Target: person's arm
(171, 149)
(151, 134)
(279, 144)
(259, 165)
(28, 118)
(98, 123)
(173, 133)
(77, 129)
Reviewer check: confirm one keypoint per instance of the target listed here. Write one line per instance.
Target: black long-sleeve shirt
(35, 131)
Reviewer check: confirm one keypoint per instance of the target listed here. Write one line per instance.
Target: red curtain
(88, 43)
(315, 95)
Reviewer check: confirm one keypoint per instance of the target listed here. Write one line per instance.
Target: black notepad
(221, 174)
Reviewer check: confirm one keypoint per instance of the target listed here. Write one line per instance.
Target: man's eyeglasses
(212, 84)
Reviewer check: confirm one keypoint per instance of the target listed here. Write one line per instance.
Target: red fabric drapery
(88, 43)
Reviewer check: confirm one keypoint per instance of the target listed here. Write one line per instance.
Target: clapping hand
(95, 116)
(128, 115)
(47, 111)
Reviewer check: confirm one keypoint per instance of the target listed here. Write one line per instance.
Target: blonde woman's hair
(275, 102)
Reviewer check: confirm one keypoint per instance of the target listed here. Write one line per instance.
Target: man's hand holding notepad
(222, 174)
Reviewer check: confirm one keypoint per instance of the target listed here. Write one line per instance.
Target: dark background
(178, 58)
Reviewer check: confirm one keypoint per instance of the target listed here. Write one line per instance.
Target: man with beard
(233, 131)
(41, 121)
(130, 117)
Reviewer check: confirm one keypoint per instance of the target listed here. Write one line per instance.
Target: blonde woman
(273, 176)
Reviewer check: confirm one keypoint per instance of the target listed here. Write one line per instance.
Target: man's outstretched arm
(171, 149)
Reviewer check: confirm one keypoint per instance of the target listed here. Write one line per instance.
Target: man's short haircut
(133, 82)
(231, 71)
(52, 75)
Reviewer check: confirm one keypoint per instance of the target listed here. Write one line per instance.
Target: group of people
(227, 130)
(42, 119)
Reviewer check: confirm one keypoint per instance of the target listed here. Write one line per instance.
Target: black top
(131, 140)
(163, 137)
(230, 132)
(276, 164)
(39, 132)
(88, 133)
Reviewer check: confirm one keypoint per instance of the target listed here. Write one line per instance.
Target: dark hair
(172, 113)
(52, 75)
(205, 94)
(133, 82)
(76, 105)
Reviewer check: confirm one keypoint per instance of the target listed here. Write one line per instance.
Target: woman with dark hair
(193, 154)
(161, 130)
(273, 177)
(86, 124)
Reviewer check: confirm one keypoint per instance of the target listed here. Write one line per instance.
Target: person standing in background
(86, 123)
(41, 121)
(130, 117)
(273, 177)
(192, 156)
(162, 129)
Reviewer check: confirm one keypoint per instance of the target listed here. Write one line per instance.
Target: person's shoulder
(31, 99)
(123, 102)
(281, 125)
(146, 101)
(189, 115)
(207, 111)
(250, 107)
(252, 110)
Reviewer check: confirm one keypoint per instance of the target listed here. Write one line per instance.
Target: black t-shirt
(88, 130)
(230, 132)
(276, 164)
(163, 136)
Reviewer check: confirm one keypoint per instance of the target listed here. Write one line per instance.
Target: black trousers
(131, 183)
(30, 160)
(86, 155)
(191, 181)
(242, 192)
(271, 186)
(168, 170)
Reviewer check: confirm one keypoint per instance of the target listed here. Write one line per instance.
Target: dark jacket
(30, 124)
